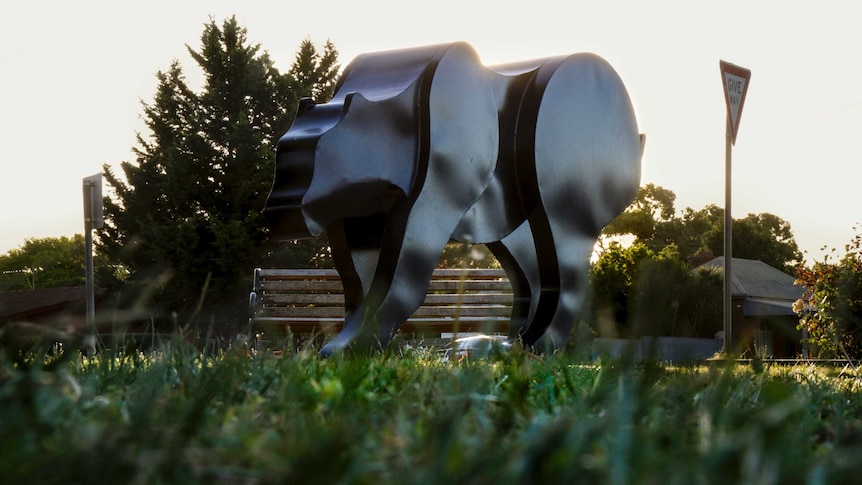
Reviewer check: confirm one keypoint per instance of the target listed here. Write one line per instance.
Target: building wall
(777, 333)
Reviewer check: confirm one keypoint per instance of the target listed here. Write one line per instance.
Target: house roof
(756, 279)
(28, 303)
(764, 289)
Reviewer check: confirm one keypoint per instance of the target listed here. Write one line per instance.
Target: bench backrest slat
(443, 273)
(312, 300)
(337, 299)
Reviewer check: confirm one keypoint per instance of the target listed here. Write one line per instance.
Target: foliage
(303, 253)
(670, 299)
(314, 74)
(831, 308)
(186, 217)
(652, 207)
(176, 416)
(460, 255)
(763, 237)
(48, 262)
(612, 277)
(652, 220)
(640, 292)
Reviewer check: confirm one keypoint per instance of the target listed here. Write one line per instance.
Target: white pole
(90, 286)
(728, 246)
(89, 289)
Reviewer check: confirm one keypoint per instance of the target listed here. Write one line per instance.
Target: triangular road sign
(735, 80)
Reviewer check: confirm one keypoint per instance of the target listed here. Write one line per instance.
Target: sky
(73, 76)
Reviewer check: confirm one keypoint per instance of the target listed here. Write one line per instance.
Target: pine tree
(314, 74)
(186, 217)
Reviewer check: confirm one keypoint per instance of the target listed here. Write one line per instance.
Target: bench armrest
(253, 297)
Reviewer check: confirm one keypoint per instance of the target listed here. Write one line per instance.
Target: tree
(611, 279)
(764, 237)
(314, 74)
(653, 205)
(636, 291)
(670, 299)
(48, 262)
(831, 307)
(461, 255)
(186, 217)
(651, 220)
(692, 227)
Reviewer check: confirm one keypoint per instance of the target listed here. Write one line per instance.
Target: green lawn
(176, 416)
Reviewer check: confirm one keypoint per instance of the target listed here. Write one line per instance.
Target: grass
(179, 416)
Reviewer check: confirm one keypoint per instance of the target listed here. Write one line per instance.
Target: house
(58, 307)
(763, 321)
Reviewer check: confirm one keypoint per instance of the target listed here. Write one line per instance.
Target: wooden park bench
(303, 301)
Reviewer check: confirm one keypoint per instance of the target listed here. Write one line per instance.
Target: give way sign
(735, 80)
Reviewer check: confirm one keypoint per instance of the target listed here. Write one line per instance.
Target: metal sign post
(93, 219)
(735, 81)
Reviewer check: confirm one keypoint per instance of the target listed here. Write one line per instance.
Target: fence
(667, 349)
